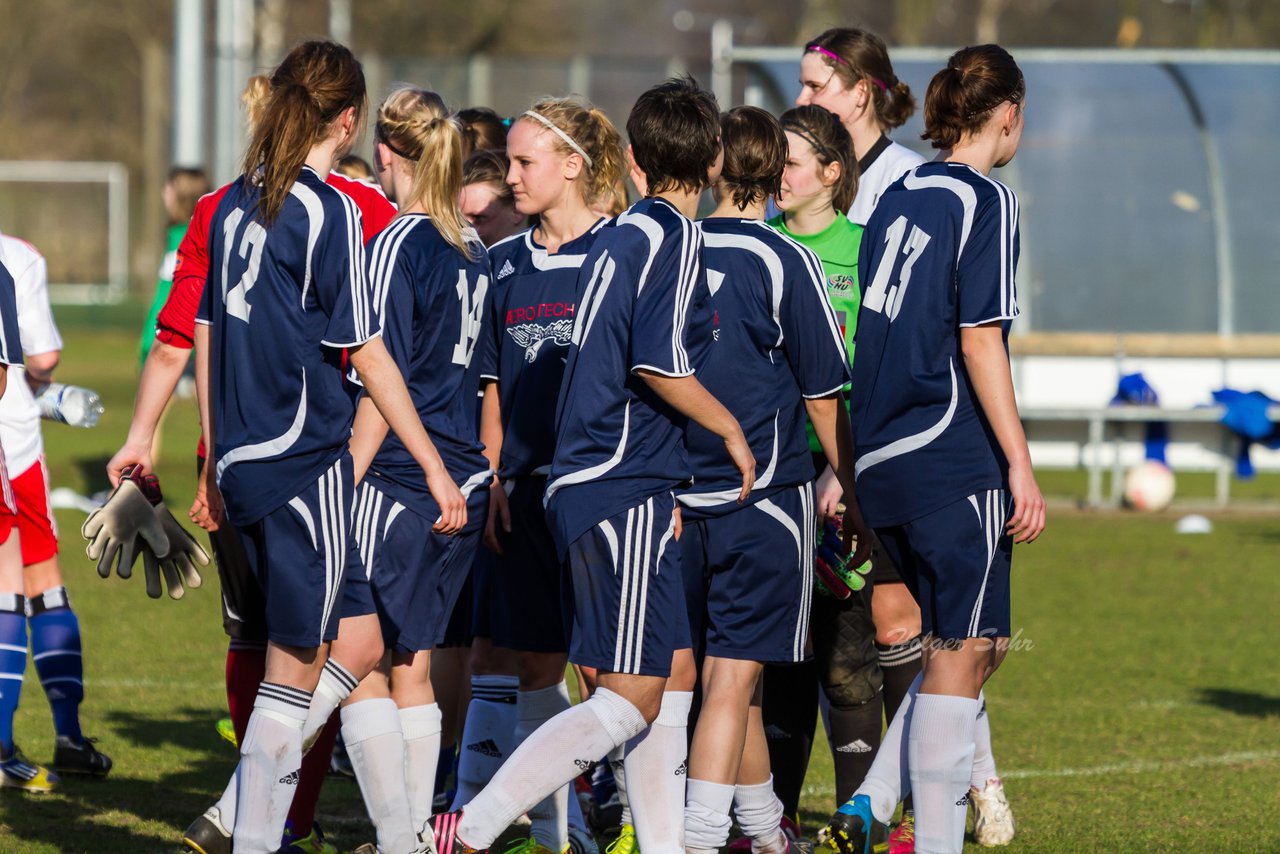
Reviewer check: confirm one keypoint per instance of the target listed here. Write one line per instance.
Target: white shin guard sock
(657, 772)
(617, 765)
(550, 816)
(336, 684)
(940, 757)
(486, 734)
(421, 727)
(759, 814)
(706, 816)
(562, 748)
(888, 782)
(984, 760)
(268, 773)
(375, 745)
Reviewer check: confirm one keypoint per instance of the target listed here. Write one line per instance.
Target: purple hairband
(838, 58)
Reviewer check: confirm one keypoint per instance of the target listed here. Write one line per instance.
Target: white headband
(568, 140)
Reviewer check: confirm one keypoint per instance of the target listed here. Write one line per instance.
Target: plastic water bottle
(69, 404)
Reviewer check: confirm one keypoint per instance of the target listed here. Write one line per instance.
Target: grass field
(1138, 712)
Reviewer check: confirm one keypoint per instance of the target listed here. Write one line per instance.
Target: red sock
(315, 765)
(246, 668)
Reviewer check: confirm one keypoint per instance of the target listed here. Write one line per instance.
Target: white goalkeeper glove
(114, 528)
(178, 564)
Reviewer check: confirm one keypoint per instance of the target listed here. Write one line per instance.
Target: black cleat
(206, 835)
(83, 758)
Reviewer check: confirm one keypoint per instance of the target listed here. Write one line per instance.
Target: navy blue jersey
(282, 302)
(643, 305)
(525, 341)
(777, 343)
(10, 337)
(432, 300)
(939, 254)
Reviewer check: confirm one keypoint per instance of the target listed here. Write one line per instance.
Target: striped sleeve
(10, 338)
(985, 286)
(810, 334)
(339, 274)
(665, 289)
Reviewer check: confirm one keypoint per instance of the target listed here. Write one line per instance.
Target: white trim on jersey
(968, 198)
(1008, 228)
(356, 273)
(315, 222)
(770, 259)
(386, 247)
(271, 447)
(543, 260)
(593, 472)
(724, 496)
(476, 480)
(915, 442)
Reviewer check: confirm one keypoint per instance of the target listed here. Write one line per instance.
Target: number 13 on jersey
(880, 297)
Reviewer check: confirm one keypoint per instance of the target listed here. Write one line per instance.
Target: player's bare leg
(716, 753)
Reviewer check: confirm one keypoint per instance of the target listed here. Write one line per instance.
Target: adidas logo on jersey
(856, 746)
(506, 270)
(290, 779)
(488, 747)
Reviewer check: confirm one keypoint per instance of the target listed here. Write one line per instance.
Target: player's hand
(129, 455)
(114, 529)
(1028, 518)
(499, 514)
(178, 565)
(743, 460)
(857, 536)
(207, 509)
(828, 492)
(677, 523)
(453, 507)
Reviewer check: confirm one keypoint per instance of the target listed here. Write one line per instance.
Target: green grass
(1139, 713)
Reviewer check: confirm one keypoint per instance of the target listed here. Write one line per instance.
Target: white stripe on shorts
(993, 502)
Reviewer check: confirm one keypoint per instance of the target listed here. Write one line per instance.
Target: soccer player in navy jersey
(942, 465)
(565, 156)
(429, 275)
(779, 361)
(287, 292)
(642, 323)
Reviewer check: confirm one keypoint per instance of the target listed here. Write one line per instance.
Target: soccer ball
(1149, 487)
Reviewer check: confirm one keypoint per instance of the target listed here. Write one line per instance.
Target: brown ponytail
(755, 154)
(855, 55)
(416, 125)
(961, 96)
(590, 129)
(310, 89)
(831, 143)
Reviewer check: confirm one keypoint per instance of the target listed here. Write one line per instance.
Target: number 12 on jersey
(880, 297)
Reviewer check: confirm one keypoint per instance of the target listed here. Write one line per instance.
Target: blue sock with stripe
(55, 645)
(13, 662)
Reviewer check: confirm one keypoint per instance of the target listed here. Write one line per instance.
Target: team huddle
(486, 403)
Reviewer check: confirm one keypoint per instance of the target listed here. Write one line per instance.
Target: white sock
(550, 816)
(268, 773)
(486, 735)
(759, 814)
(888, 782)
(421, 727)
(656, 769)
(706, 816)
(560, 750)
(940, 756)
(336, 684)
(375, 746)
(617, 765)
(984, 760)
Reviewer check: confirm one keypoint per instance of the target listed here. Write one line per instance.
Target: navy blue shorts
(627, 593)
(302, 557)
(525, 609)
(956, 563)
(749, 578)
(414, 575)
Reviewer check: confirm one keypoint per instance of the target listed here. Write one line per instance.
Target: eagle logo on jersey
(531, 336)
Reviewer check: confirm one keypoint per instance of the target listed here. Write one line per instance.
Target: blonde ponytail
(416, 125)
